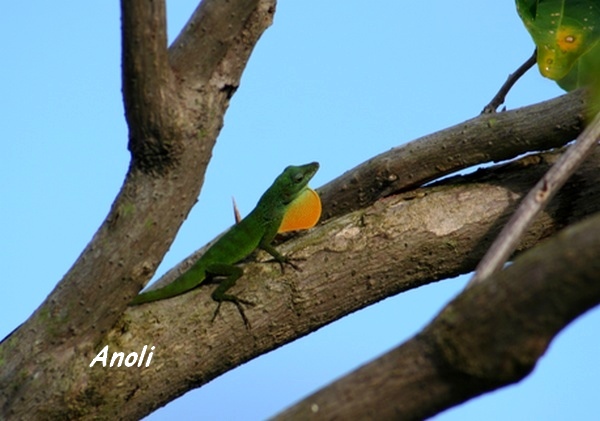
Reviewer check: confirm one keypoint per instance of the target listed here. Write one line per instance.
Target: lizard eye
(298, 177)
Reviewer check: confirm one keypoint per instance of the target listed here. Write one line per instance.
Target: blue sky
(333, 82)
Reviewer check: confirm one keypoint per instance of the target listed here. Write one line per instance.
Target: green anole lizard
(288, 205)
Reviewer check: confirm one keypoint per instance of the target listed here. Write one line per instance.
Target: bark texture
(490, 336)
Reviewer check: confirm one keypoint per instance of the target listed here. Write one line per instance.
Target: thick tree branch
(206, 40)
(172, 132)
(536, 200)
(490, 336)
(482, 139)
(397, 244)
(486, 138)
(148, 88)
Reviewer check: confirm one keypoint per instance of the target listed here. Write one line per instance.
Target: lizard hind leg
(231, 274)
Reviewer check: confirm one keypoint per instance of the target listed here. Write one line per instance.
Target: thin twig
(535, 201)
(512, 79)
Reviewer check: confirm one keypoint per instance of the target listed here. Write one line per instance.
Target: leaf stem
(512, 79)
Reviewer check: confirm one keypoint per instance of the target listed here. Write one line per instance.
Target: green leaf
(585, 72)
(567, 36)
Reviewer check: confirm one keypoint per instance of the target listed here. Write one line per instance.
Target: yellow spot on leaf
(568, 40)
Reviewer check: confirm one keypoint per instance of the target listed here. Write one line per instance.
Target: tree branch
(172, 131)
(490, 336)
(485, 138)
(397, 244)
(482, 139)
(536, 200)
(148, 88)
(219, 32)
(510, 82)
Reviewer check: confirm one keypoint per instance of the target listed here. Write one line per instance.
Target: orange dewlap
(303, 213)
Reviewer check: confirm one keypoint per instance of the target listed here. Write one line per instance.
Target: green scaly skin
(257, 230)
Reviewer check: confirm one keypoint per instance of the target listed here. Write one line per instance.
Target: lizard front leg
(280, 258)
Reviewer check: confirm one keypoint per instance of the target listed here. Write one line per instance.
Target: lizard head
(289, 204)
(293, 180)
(288, 186)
